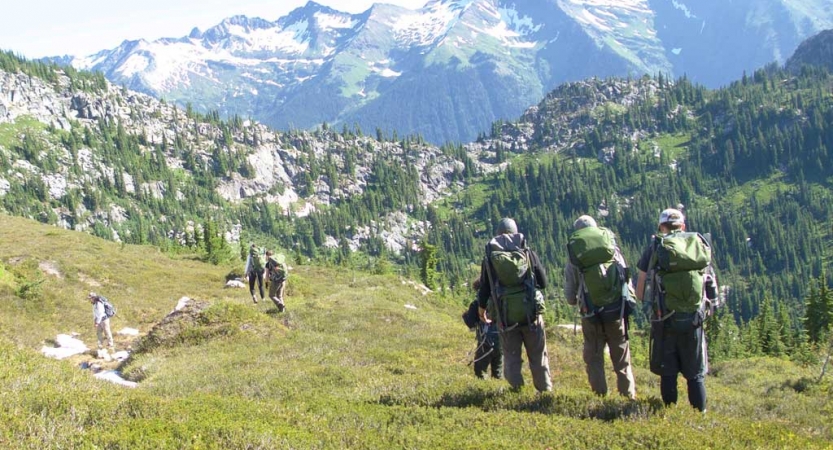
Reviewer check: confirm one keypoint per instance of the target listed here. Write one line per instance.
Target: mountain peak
(815, 51)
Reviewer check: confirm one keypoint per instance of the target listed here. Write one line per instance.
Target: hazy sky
(37, 28)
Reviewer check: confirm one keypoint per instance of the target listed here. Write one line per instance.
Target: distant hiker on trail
(488, 352)
(676, 277)
(254, 271)
(276, 273)
(101, 319)
(597, 279)
(510, 278)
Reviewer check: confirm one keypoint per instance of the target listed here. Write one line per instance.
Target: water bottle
(710, 286)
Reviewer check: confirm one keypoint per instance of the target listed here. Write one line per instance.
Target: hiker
(596, 278)
(101, 321)
(254, 271)
(276, 273)
(488, 351)
(676, 283)
(510, 278)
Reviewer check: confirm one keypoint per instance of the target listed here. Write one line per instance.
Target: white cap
(584, 222)
(672, 217)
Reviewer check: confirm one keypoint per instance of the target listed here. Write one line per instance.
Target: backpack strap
(657, 296)
(494, 286)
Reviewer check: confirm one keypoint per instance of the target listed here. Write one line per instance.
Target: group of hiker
(675, 277)
(270, 267)
(260, 266)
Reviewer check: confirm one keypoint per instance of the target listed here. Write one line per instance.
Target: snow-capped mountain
(449, 69)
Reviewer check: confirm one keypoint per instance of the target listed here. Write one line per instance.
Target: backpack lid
(279, 258)
(591, 246)
(507, 242)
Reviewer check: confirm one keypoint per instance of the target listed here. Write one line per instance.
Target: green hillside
(348, 366)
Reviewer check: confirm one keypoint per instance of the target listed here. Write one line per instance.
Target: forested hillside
(82, 154)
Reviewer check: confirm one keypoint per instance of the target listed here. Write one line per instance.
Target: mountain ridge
(358, 68)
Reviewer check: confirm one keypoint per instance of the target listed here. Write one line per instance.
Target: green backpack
(257, 259)
(279, 272)
(514, 298)
(592, 251)
(681, 262)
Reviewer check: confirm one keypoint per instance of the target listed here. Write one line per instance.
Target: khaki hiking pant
(102, 330)
(276, 293)
(612, 335)
(534, 339)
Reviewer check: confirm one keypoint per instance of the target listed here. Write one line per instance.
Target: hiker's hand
(481, 312)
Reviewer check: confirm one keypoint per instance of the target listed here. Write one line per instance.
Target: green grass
(10, 132)
(764, 190)
(674, 145)
(347, 366)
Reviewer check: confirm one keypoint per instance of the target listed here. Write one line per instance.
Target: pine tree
(428, 264)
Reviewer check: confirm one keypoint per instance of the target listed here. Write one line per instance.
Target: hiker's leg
(668, 389)
(99, 334)
(593, 354)
(273, 292)
(106, 325)
(693, 366)
(535, 341)
(620, 357)
(260, 283)
(482, 358)
(512, 360)
(252, 279)
(497, 357)
(697, 393)
(670, 367)
(281, 288)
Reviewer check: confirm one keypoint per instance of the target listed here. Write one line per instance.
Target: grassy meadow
(347, 366)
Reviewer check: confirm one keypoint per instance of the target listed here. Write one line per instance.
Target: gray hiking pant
(612, 335)
(102, 330)
(534, 339)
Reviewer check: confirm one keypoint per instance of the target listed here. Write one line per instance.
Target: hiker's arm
(483, 294)
(485, 290)
(640, 285)
(642, 266)
(538, 270)
(570, 283)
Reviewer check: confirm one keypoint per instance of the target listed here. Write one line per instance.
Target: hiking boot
(254, 299)
(281, 307)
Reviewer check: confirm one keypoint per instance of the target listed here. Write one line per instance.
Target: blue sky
(37, 28)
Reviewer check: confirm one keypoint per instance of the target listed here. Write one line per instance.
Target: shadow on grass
(800, 385)
(575, 406)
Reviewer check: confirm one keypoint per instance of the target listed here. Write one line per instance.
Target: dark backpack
(514, 299)
(592, 251)
(470, 317)
(682, 262)
(109, 309)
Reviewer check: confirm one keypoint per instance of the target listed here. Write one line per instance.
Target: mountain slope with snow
(449, 69)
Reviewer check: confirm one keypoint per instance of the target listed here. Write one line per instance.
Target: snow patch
(67, 346)
(114, 376)
(135, 63)
(333, 22)
(388, 73)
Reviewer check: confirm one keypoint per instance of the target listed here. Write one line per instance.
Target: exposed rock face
(276, 166)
